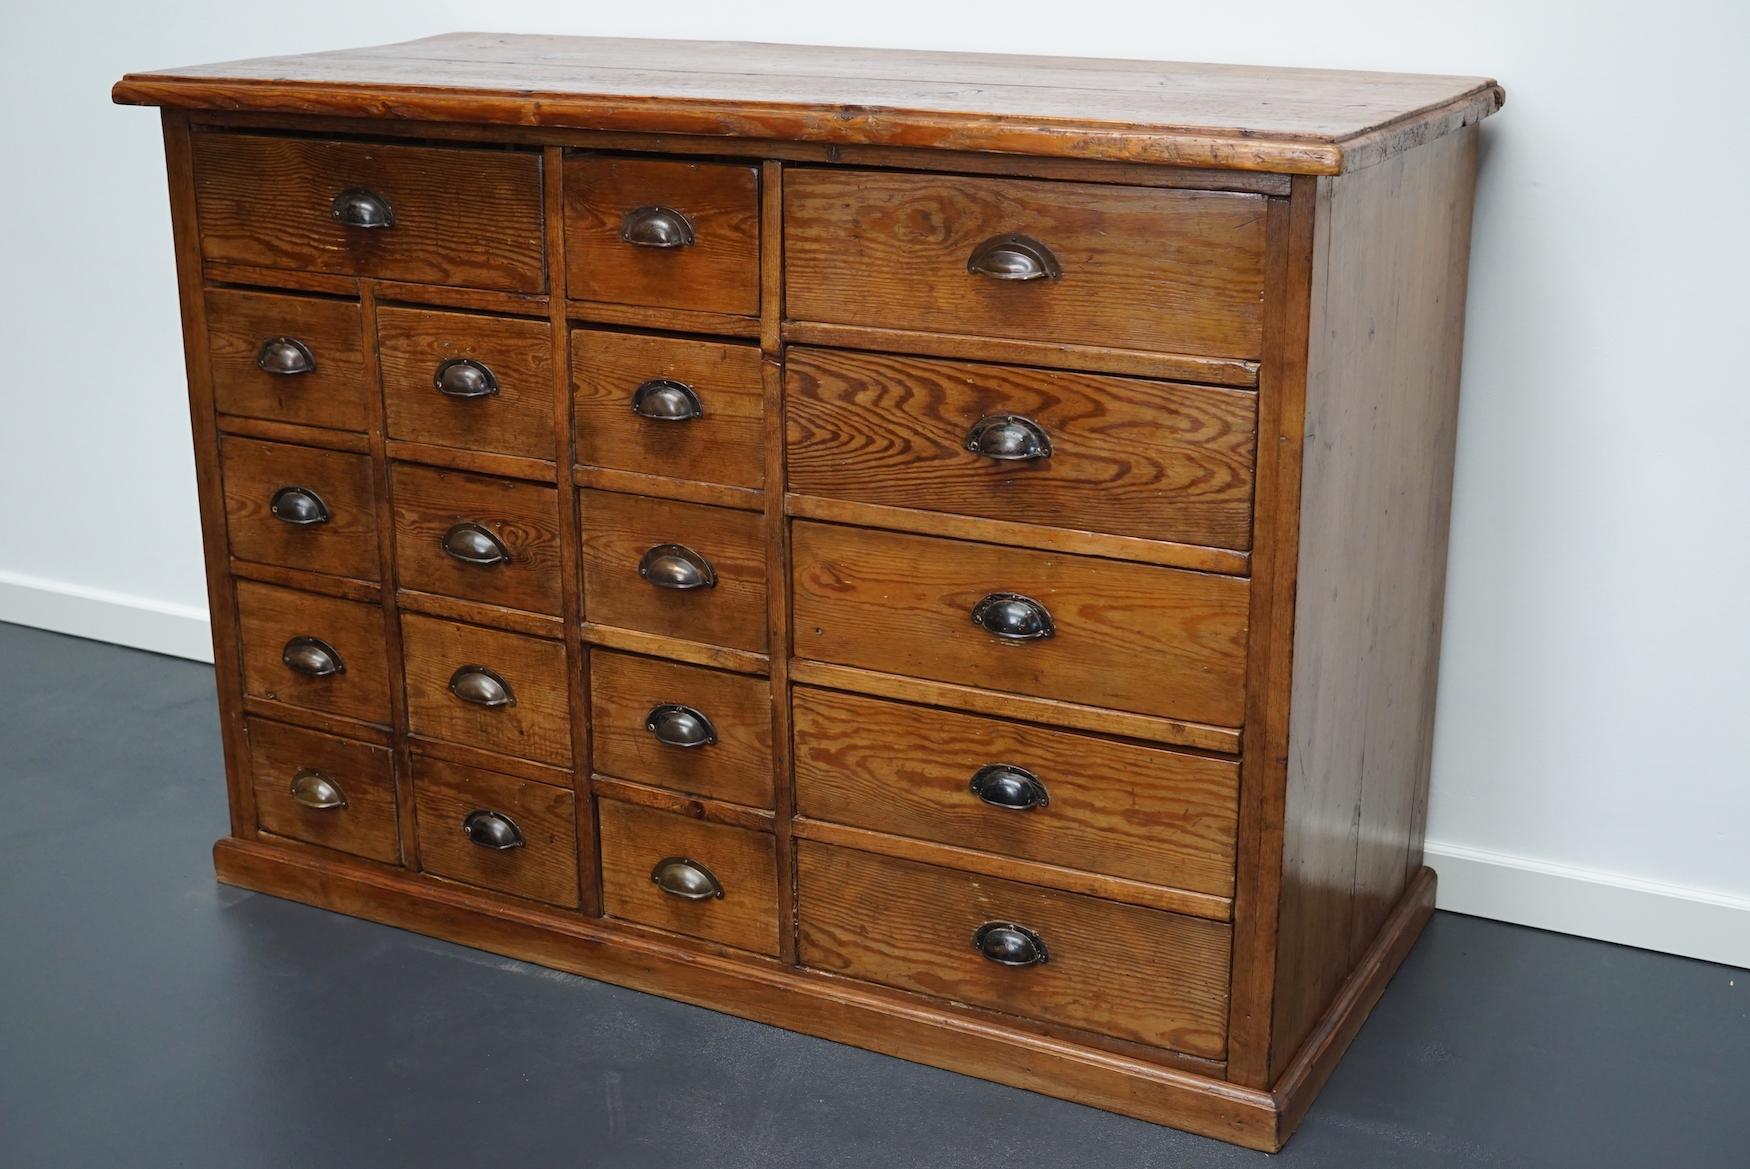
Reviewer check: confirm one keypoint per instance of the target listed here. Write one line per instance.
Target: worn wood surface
(268, 617)
(364, 826)
(523, 517)
(333, 394)
(543, 869)
(537, 726)
(345, 544)
(517, 420)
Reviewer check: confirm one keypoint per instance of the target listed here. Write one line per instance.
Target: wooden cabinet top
(1289, 121)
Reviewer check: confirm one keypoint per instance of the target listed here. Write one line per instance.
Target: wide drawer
(1102, 454)
(686, 728)
(1124, 267)
(1134, 637)
(467, 381)
(496, 831)
(433, 215)
(287, 358)
(1015, 790)
(487, 689)
(301, 507)
(316, 652)
(322, 790)
(485, 539)
(706, 880)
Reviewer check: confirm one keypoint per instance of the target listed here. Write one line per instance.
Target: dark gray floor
(150, 1017)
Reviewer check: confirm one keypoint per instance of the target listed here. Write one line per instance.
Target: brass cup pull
(317, 791)
(1008, 944)
(472, 544)
(1014, 257)
(285, 356)
(298, 506)
(676, 566)
(675, 725)
(682, 877)
(312, 657)
(1008, 438)
(657, 227)
(362, 207)
(492, 830)
(1013, 617)
(463, 377)
(1003, 785)
(666, 400)
(482, 687)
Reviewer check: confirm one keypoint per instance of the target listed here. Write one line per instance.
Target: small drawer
(1072, 263)
(706, 880)
(323, 790)
(664, 406)
(300, 507)
(663, 233)
(487, 689)
(676, 569)
(1071, 628)
(496, 831)
(1015, 790)
(287, 358)
(687, 728)
(1153, 460)
(427, 214)
(319, 653)
(491, 540)
(1137, 974)
(469, 382)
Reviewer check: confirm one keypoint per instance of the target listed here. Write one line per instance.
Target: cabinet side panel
(1390, 251)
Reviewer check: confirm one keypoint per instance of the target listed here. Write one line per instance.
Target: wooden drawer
(536, 821)
(735, 870)
(633, 736)
(504, 363)
(708, 211)
(1101, 805)
(300, 506)
(288, 358)
(1136, 637)
(516, 703)
(492, 540)
(623, 532)
(460, 216)
(1133, 458)
(1137, 974)
(710, 429)
(323, 790)
(1141, 268)
(319, 653)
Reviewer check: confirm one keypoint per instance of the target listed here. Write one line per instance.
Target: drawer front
(704, 732)
(288, 358)
(441, 215)
(319, 653)
(1102, 454)
(322, 790)
(492, 540)
(639, 552)
(1141, 268)
(471, 382)
(716, 882)
(1137, 974)
(1135, 637)
(1015, 790)
(663, 233)
(663, 406)
(496, 831)
(300, 506)
(487, 689)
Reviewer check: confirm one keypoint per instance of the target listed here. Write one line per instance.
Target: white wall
(1594, 728)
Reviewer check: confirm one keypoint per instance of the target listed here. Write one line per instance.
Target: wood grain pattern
(680, 804)
(265, 201)
(901, 604)
(295, 433)
(1143, 268)
(517, 420)
(333, 394)
(343, 545)
(1128, 457)
(365, 826)
(268, 617)
(522, 516)
(537, 727)
(543, 869)
(635, 839)
(909, 925)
